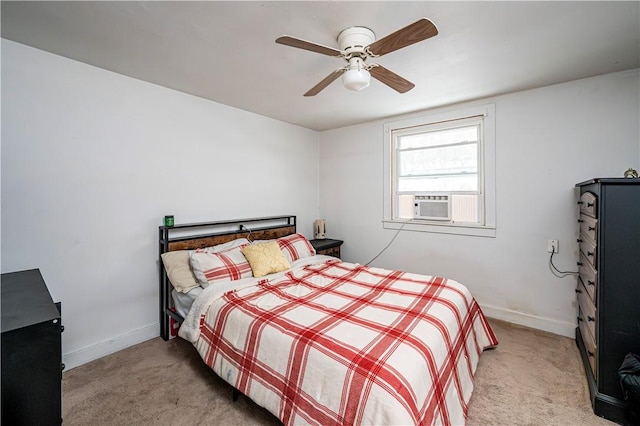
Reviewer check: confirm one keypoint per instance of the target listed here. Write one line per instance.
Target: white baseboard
(532, 321)
(98, 350)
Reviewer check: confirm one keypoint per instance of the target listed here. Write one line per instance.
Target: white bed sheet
(182, 301)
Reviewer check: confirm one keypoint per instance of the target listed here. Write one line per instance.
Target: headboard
(192, 236)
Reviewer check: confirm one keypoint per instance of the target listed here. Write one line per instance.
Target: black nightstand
(31, 351)
(327, 247)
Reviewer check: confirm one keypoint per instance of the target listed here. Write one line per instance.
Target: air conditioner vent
(432, 207)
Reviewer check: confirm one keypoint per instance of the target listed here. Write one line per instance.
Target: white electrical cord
(249, 234)
(387, 246)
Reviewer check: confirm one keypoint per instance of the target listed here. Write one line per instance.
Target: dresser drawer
(588, 251)
(588, 276)
(333, 251)
(588, 227)
(587, 312)
(588, 204)
(590, 346)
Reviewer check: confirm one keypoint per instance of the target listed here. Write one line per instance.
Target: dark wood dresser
(327, 246)
(31, 351)
(608, 287)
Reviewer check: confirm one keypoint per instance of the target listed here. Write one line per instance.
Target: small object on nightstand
(168, 220)
(327, 247)
(319, 229)
(630, 173)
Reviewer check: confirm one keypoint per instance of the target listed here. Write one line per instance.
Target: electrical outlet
(553, 246)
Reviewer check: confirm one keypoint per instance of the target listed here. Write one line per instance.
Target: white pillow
(176, 263)
(226, 246)
(227, 265)
(295, 246)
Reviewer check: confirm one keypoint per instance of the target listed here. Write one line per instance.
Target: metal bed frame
(192, 236)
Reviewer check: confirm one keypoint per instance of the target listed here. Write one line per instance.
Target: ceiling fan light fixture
(357, 77)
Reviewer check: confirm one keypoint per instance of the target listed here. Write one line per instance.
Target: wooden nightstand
(327, 247)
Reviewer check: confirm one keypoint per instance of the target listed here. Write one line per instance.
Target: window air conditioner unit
(432, 207)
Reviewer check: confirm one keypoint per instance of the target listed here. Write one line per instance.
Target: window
(440, 173)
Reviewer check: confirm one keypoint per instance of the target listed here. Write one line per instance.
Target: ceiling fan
(357, 44)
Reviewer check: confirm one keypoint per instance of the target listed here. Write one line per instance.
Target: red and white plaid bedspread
(339, 344)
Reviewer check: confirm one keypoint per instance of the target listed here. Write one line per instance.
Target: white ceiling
(225, 51)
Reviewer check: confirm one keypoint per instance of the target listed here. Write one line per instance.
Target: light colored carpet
(531, 378)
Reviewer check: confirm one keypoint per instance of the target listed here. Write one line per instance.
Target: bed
(316, 340)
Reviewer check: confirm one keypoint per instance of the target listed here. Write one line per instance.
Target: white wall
(547, 140)
(93, 160)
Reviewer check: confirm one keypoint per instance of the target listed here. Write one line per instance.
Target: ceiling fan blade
(324, 83)
(307, 45)
(391, 79)
(418, 31)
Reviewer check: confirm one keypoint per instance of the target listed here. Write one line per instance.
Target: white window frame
(487, 178)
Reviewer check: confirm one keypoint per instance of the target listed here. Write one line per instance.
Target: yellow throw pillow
(265, 258)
